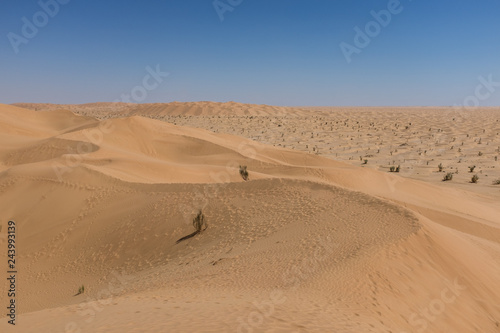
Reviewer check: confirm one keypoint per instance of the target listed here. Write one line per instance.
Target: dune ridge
(164, 109)
(418, 139)
(308, 244)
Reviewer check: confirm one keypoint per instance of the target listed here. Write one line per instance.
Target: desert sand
(317, 240)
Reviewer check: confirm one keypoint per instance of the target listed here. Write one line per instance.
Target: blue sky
(264, 51)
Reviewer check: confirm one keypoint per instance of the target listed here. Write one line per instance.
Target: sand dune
(169, 109)
(418, 139)
(308, 244)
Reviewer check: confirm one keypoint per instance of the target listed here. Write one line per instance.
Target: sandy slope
(418, 139)
(307, 245)
(168, 109)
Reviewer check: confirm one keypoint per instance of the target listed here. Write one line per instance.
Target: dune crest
(167, 109)
(307, 244)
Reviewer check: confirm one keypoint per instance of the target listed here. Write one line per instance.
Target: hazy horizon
(291, 106)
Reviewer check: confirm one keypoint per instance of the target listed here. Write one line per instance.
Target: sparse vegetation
(81, 290)
(395, 169)
(471, 168)
(440, 167)
(365, 162)
(448, 176)
(496, 182)
(199, 224)
(474, 179)
(244, 172)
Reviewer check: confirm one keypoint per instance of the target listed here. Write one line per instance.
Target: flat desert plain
(321, 237)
